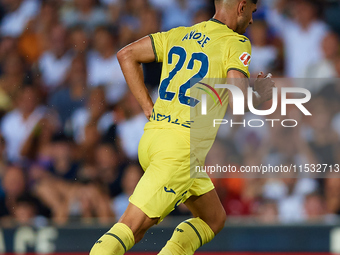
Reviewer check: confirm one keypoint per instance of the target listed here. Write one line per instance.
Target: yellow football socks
(118, 240)
(188, 237)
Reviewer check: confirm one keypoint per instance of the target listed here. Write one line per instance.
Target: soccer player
(211, 49)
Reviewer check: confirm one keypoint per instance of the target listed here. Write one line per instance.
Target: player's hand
(148, 113)
(264, 86)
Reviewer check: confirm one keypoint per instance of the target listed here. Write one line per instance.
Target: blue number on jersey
(163, 94)
(183, 99)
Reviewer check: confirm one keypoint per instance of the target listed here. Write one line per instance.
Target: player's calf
(217, 222)
(188, 237)
(122, 236)
(118, 240)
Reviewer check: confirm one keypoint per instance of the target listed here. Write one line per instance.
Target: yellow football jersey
(206, 50)
(192, 57)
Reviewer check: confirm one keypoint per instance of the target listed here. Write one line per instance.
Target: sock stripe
(196, 231)
(119, 240)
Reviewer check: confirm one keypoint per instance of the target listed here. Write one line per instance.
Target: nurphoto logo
(238, 105)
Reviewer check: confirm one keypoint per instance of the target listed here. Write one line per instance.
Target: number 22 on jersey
(183, 99)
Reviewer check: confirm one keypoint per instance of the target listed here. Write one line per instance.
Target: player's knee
(221, 221)
(139, 236)
(217, 222)
(140, 232)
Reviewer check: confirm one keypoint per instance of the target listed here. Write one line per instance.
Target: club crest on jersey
(245, 58)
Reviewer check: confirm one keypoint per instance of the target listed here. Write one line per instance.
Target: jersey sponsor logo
(245, 58)
(244, 40)
(169, 190)
(168, 118)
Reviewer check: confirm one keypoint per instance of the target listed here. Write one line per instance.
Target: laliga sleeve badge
(245, 58)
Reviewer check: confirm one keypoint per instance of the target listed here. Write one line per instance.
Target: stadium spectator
(71, 96)
(95, 113)
(55, 62)
(201, 15)
(14, 184)
(267, 212)
(37, 32)
(19, 123)
(12, 79)
(103, 67)
(149, 23)
(289, 194)
(11, 205)
(177, 14)
(323, 138)
(263, 54)
(109, 167)
(325, 70)
(314, 207)
(26, 212)
(19, 13)
(86, 14)
(130, 129)
(332, 195)
(302, 34)
(131, 176)
(38, 141)
(79, 40)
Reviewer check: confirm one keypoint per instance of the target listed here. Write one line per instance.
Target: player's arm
(263, 87)
(130, 59)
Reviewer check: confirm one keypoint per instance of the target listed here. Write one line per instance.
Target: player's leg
(209, 219)
(137, 221)
(123, 235)
(208, 208)
(134, 222)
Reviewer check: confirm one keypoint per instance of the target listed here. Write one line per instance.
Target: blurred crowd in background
(70, 128)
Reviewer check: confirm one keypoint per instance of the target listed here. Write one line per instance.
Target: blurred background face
(106, 157)
(304, 12)
(97, 102)
(258, 33)
(314, 207)
(131, 177)
(103, 40)
(106, 163)
(331, 46)
(28, 100)
(24, 212)
(78, 75)
(14, 182)
(136, 6)
(62, 150)
(150, 21)
(79, 41)
(13, 65)
(130, 105)
(58, 39)
(49, 12)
